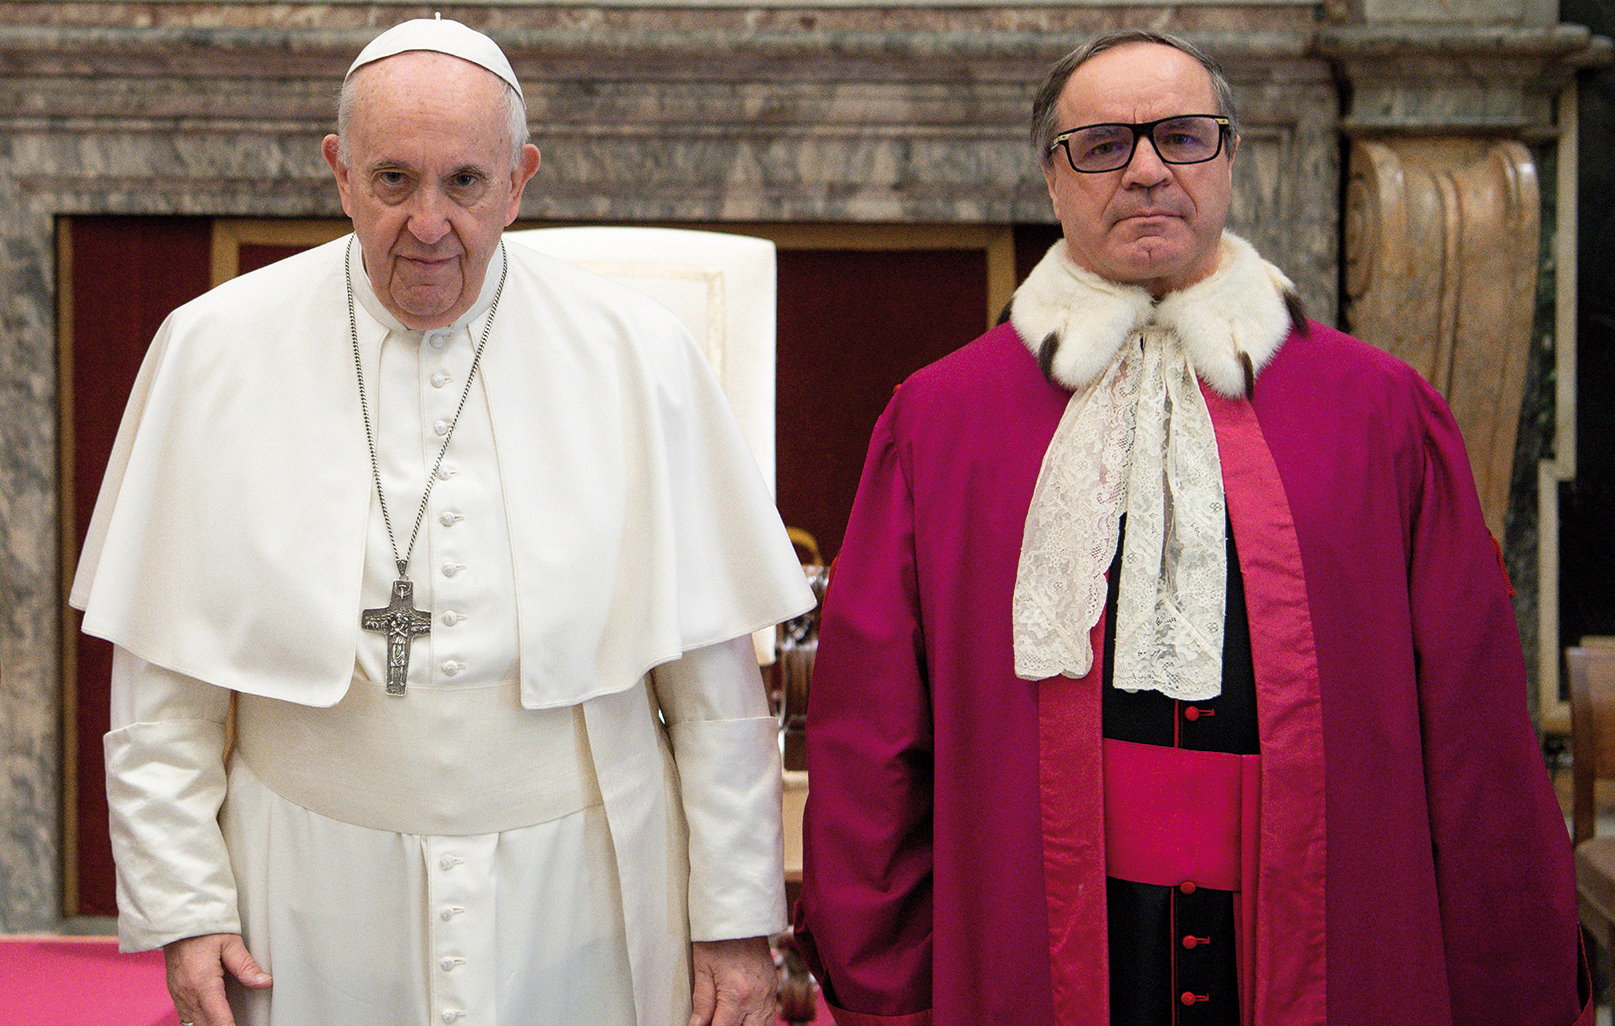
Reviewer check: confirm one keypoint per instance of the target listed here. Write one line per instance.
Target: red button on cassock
(1189, 998)
(1193, 942)
(1187, 887)
(1191, 714)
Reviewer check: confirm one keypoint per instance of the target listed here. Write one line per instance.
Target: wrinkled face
(1150, 223)
(429, 181)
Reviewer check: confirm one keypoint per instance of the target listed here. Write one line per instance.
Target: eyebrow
(388, 164)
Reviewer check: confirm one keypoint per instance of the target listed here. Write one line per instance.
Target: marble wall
(841, 111)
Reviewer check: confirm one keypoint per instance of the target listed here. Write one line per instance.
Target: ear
(1049, 172)
(331, 150)
(526, 167)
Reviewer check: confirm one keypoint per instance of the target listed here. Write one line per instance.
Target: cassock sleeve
(726, 747)
(1502, 854)
(864, 922)
(165, 785)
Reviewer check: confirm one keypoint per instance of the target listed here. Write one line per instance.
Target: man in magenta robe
(1168, 673)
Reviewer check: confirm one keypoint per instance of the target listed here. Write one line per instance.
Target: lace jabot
(1136, 438)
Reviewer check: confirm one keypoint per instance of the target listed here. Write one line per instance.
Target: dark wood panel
(1032, 241)
(852, 325)
(252, 256)
(1587, 567)
(127, 274)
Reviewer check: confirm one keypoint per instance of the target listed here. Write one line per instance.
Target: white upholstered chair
(719, 284)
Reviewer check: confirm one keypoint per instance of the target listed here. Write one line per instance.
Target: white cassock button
(449, 912)
(450, 1015)
(440, 379)
(449, 862)
(444, 473)
(441, 427)
(450, 569)
(450, 668)
(451, 618)
(450, 519)
(449, 964)
(436, 340)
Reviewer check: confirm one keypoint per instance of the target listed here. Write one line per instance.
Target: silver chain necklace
(399, 620)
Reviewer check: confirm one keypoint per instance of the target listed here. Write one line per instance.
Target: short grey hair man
(1044, 115)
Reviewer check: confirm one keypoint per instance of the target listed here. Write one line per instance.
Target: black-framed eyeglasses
(1180, 139)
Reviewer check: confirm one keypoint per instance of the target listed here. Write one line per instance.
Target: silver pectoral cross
(402, 623)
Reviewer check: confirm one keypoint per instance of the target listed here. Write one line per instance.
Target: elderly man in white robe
(472, 544)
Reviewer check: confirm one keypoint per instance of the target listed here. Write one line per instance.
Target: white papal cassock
(509, 842)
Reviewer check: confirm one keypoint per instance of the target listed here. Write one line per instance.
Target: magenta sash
(1173, 815)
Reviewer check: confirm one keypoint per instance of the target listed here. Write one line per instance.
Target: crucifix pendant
(402, 623)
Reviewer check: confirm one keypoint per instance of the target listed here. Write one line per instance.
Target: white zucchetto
(440, 36)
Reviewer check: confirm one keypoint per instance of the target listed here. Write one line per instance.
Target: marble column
(1450, 106)
(30, 694)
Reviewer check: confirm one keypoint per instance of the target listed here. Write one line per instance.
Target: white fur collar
(1075, 322)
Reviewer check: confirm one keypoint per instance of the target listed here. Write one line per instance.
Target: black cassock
(1172, 958)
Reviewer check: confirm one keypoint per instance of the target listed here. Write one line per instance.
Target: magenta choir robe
(1414, 865)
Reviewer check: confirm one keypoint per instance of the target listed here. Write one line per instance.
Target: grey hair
(515, 119)
(1045, 123)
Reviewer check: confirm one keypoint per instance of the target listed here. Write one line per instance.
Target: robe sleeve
(165, 785)
(864, 922)
(1502, 854)
(726, 747)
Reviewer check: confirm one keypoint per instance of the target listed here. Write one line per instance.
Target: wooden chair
(795, 649)
(788, 682)
(1592, 739)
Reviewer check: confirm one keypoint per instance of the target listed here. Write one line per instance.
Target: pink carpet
(84, 981)
(80, 981)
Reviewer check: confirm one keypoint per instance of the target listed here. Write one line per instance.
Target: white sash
(440, 760)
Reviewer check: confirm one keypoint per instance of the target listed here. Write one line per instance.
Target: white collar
(1075, 322)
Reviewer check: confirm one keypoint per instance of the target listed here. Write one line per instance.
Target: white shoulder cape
(228, 540)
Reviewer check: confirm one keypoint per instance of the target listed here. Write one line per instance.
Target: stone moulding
(1443, 80)
(324, 52)
(805, 124)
